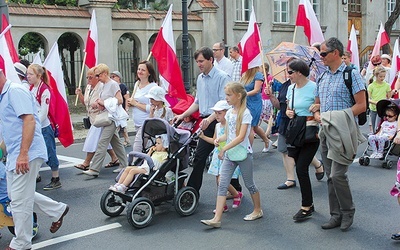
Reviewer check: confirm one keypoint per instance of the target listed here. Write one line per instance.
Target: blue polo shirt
(15, 101)
(210, 90)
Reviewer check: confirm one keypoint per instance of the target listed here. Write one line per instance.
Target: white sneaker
(121, 188)
(379, 155)
(265, 150)
(117, 170)
(373, 155)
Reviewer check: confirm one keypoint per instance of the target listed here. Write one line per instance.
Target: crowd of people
(231, 105)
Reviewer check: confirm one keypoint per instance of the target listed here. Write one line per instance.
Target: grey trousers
(109, 135)
(339, 194)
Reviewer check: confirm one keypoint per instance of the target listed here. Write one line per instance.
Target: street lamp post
(185, 44)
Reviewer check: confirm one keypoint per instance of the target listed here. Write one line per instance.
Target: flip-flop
(82, 167)
(112, 164)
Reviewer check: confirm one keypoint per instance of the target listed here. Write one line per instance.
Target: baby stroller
(146, 191)
(390, 148)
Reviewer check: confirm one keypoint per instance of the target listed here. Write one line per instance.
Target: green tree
(30, 42)
(389, 24)
(48, 2)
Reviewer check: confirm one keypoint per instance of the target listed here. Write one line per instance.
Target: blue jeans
(49, 139)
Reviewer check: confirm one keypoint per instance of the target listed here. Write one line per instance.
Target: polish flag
(352, 46)
(59, 97)
(8, 37)
(6, 63)
(395, 67)
(249, 46)
(92, 43)
(164, 52)
(381, 39)
(306, 18)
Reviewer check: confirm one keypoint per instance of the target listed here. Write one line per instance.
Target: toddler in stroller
(381, 143)
(158, 154)
(153, 186)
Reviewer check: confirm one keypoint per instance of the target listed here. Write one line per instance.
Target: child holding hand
(220, 109)
(158, 153)
(237, 138)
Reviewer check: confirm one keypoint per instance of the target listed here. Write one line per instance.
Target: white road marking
(71, 161)
(76, 235)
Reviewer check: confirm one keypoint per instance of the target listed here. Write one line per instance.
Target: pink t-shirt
(263, 95)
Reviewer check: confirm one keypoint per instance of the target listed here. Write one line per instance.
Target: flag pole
(262, 60)
(294, 33)
(149, 56)
(81, 76)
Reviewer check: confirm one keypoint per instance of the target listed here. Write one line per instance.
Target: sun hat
(164, 139)
(386, 56)
(158, 94)
(221, 105)
(20, 68)
(117, 73)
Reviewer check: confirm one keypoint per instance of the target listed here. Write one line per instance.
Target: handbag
(296, 131)
(312, 129)
(237, 153)
(86, 123)
(102, 120)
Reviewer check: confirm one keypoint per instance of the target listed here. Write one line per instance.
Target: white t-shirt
(139, 115)
(231, 121)
(43, 108)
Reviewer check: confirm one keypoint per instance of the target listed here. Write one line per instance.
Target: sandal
(112, 164)
(321, 175)
(82, 167)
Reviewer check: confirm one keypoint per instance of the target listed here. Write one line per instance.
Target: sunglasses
(97, 75)
(291, 71)
(89, 77)
(376, 64)
(323, 54)
(389, 116)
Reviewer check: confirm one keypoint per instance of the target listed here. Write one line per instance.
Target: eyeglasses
(291, 71)
(323, 54)
(89, 77)
(216, 50)
(389, 116)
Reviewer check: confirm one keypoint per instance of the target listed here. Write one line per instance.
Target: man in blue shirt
(210, 89)
(333, 95)
(26, 149)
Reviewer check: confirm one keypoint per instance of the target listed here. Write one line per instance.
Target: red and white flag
(381, 39)
(249, 46)
(56, 82)
(306, 17)
(8, 37)
(395, 66)
(352, 46)
(6, 63)
(164, 52)
(37, 59)
(92, 43)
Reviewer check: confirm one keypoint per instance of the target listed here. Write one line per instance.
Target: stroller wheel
(111, 204)
(361, 161)
(186, 201)
(140, 212)
(366, 161)
(389, 164)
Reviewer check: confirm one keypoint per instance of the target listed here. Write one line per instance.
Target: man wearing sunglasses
(334, 108)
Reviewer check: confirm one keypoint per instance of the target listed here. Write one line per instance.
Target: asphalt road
(86, 227)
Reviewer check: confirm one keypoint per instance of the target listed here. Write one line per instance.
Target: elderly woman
(300, 97)
(109, 133)
(147, 79)
(92, 93)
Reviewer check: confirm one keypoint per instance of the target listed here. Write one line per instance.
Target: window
(390, 8)
(243, 10)
(355, 6)
(317, 7)
(281, 11)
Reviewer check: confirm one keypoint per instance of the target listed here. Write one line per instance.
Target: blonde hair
(248, 76)
(40, 70)
(238, 88)
(103, 68)
(377, 70)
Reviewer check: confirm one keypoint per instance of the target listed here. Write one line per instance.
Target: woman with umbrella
(253, 80)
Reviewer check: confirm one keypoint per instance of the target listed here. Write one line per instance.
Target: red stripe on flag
(250, 49)
(302, 20)
(62, 117)
(9, 40)
(90, 52)
(384, 38)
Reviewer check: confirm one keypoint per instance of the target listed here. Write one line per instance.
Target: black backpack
(362, 118)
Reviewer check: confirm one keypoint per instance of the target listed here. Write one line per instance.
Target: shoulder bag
(237, 153)
(102, 120)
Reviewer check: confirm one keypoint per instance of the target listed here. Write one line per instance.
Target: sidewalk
(80, 132)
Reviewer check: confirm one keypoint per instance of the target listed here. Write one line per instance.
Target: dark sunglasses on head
(323, 54)
(291, 71)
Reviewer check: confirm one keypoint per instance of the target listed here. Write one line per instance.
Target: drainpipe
(185, 45)
(225, 34)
